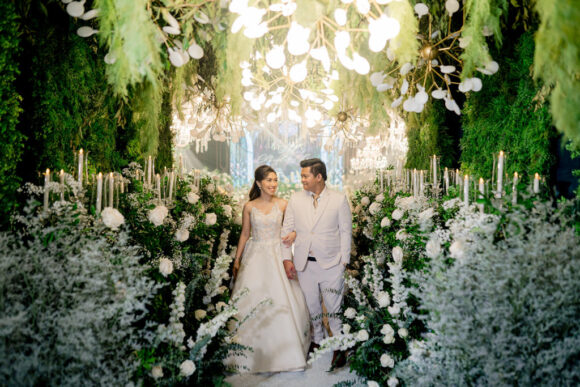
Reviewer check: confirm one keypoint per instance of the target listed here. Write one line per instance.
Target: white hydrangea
(387, 361)
(210, 219)
(379, 198)
(112, 218)
(397, 254)
(401, 235)
(210, 188)
(397, 214)
(385, 222)
(157, 215)
(433, 248)
(350, 313)
(227, 210)
(384, 299)
(192, 197)
(165, 266)
(157, 372)
(362, 335)
(187, 368)
(375, 208)
(200, 314)
(365, 201)
(181, 235)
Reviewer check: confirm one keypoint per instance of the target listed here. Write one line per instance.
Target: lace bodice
(266, 227)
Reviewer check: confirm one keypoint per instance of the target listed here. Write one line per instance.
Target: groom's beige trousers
(316, 281)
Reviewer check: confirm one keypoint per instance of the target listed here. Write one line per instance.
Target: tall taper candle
(466, 190)
(158, 185)
(481, 186)
(515, 189)
(46, 189)
(537, 183)
(61, 175)
(149, 166)
(434, 171)
(422, 183)
(170, 186)
(446, 177)
(381, 179)
(80, 178)
(111, 189)
(500, 161)
(99, 193)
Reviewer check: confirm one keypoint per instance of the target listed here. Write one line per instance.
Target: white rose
(385, 222)
(157, 372)
(384, 299)
(206, 299)
(387, 361)
(193, 188)
(227, 210)
(350, 313)
(345, 329)
(165, 267)
(362, 335)
(200, 314)
(379, 198)
(427, 214)
(401, 235)
(157, 215)
(375, 208)
(187, 368)
(387, 330)
(403, 332)
(222, 289)
(220, 306)
(210, 219)
(389, 339)
(397, 254)
(210, 188)
(182, 235)
(192, 197)
(394, 310)
(397, 214)
(433, 248)
(392, 382)
(372, 383)
(112, 218)
(365, 201)
(456, 250)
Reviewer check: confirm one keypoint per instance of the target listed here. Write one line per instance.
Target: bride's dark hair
(259, 174)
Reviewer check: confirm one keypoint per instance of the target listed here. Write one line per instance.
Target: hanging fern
(557, 62)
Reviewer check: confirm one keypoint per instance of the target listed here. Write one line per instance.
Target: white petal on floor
(315, 375)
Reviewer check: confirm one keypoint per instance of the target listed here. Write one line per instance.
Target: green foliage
(508, 115)
(480, 14)
(11, 140)
(431, 136)
(146, 120)
(557, 62)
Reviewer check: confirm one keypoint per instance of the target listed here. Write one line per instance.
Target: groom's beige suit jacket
(324, 233)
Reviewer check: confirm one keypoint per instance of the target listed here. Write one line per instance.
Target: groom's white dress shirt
(323, 232)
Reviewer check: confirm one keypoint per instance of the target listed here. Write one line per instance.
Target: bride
(279, 334)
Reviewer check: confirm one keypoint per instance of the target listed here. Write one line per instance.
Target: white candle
(481, 187)
(515, 189)
(149, 166)
(99, 192)
(170, 185)
(46, 189)
(446, 178)
(415, 183)
(457, 179)
(61, 175)
(80, 178)
(381, 178)
(158, 185)
(122, 186)
(500, 175)
(434, 171)
(111, 189)
(537, 183)
(422, 183)
(466, 190)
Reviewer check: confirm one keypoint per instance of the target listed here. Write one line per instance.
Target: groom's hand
(290, 269)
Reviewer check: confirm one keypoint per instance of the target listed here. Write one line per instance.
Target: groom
(322, 220)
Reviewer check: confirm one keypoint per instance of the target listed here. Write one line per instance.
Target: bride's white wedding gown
(279, 334)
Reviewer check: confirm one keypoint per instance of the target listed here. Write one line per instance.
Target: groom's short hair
(316, 166)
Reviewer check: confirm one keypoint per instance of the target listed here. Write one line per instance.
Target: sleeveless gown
(279, 334)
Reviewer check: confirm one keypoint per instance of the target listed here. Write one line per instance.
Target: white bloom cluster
(165, 266)
(173, 333)
(112, 218)
(372, 276)
(210, 219)
(192, 197)
(355, 287)
(397, 214)
(223, 245)
(375, 208)
(340, 342)
(187, 368)
(387, 361)
(399, 291)
(388, 334)
(182, 234)
(362, 335)
(218, 274)
(385, 222)
(228, 210)
(157, 215)
(211, 328)
(365, 201)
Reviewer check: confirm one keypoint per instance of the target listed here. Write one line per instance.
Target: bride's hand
(289, 239)
(236, 268)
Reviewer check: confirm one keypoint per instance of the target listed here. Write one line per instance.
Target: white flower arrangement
(192, 197)
(397, 214)
(387, 360)
(384, 299)
(350, 313)
(362, 335)
(334, 343)
(210, 188)
(379, 198)
(433, 248)
(397, 254)
(187, 368)
(385, 222)
(392, 382)
(200, 314)
(174, 333)
(403, 333)
(181, 235)
(365, 201)
(112, 218)
(218, 274)
(228, 210)
(210, 219)
(157, 215)
(157, 372)
(346, 328)
(165, 266)
(375, 208)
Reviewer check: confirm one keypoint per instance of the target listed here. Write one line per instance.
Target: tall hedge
(11, 140)
(509, 114)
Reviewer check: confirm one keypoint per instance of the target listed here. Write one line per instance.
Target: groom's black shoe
(313, 346)
(338, 359)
